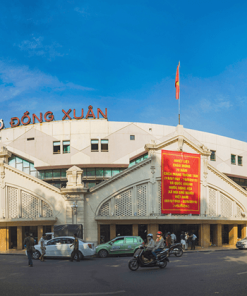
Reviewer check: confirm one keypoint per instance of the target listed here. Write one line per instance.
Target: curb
(12, 254)
(204, 251)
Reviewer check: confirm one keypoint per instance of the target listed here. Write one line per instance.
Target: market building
(107, 176)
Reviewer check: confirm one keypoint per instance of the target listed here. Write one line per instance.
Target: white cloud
(16, 81)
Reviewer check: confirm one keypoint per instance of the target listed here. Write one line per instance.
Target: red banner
(180, 182)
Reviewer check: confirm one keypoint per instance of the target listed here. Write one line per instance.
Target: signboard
(180, 182)
(27, 118)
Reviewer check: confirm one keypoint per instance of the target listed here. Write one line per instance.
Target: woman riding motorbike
(149, 246)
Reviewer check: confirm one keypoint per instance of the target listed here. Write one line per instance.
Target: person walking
(29, 242)
(43, 248)
(168, 240)
(173, 238)
(186, 240)
(76, 249)
(193, 242)
(182, 239)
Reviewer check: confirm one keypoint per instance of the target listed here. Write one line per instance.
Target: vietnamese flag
(177, 82)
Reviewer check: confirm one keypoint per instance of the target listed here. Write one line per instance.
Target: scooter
(138, 260)
(176, 249)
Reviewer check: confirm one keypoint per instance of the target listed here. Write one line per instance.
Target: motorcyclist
(149, 246)
(159, 245)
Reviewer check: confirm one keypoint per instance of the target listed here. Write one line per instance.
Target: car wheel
(36, 255)
(80, 256)
(103, 253)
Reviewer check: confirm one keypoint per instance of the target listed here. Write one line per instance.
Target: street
(200, 273)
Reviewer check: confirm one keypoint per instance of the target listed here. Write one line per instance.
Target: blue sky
(122, 55)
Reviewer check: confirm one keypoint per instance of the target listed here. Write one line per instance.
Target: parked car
(60, 247)
(119, 245)
(242, 244)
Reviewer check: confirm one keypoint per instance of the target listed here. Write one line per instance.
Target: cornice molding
(226, 179)
(33, 179)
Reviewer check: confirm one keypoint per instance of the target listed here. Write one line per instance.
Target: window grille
(47, 211)
(226, 206)
(142, 200)
(30, 206)
(212, 202)
(239, 211)
(12, 202)
(105, 209)
(123, 204)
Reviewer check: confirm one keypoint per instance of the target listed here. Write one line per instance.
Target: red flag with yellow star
(177, 82)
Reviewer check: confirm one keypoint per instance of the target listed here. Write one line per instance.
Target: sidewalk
(13, 252)
(198, 249)
(212, 249)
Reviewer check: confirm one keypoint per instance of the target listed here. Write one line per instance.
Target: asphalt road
(209, 273)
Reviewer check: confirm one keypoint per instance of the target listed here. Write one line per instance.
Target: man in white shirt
(173, 238)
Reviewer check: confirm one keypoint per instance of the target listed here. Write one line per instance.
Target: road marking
(84, 294)
(242, 272)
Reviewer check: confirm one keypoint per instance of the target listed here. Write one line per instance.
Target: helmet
(150, 235)
(159, 232)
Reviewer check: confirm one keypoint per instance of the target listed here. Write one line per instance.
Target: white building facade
(106, 176)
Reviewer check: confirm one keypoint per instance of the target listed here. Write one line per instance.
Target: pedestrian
(193, 242)
(186, 240)
(29, 242)
(168, 240)
(43, 248)
(76, 249)
(190, 240)
(182, 239)
(173, 238)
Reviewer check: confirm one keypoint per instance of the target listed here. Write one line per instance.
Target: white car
(242, 244)
(61, 247)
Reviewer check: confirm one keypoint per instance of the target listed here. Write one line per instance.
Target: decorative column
(74, 197)
(4, 156)
(204, 235)
(112, 231)
(233, 234)
(19, 238)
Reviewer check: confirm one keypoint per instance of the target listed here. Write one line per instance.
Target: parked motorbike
(138, 260)
(176, 249)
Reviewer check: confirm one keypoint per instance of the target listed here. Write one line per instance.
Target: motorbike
(176, 249)
(139, 261)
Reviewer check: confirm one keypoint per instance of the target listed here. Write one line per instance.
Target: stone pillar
(243, 231)
(204, 235)
(40, 232)
(218, 235)
(3, 238)
(19, 238)
(112, 231)
(233, 234)
(153, 228)
(135, 230)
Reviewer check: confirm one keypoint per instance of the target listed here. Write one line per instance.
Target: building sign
(180, 182)
(27, 118)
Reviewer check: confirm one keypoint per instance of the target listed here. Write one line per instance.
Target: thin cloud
(36, 46)
(20, 81)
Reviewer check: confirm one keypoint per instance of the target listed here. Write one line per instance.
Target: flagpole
(179, 97)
